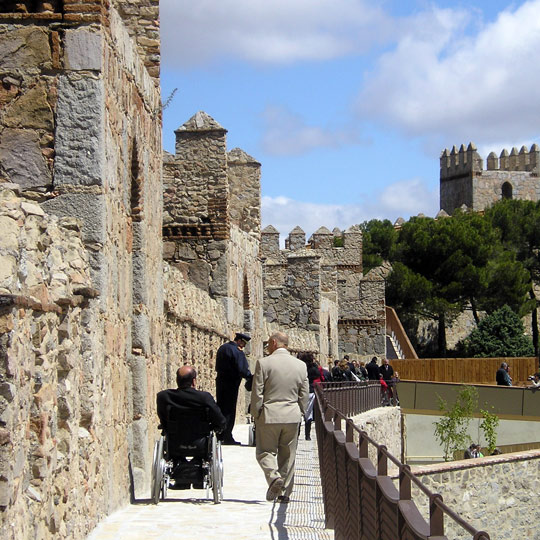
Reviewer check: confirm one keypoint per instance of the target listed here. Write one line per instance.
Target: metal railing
(361, 500)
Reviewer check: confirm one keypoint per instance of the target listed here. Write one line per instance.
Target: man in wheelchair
(187, 417)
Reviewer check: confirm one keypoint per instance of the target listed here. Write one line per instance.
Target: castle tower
(463, 182)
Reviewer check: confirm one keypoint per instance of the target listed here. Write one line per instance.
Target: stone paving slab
(244, 513)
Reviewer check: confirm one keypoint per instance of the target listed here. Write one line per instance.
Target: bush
(500, 334)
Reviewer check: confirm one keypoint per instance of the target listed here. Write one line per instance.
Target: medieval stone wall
(56, 432)
(320, 287)
(492, 494)
(80, 133)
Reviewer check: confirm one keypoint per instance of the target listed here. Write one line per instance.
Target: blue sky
(347, 104)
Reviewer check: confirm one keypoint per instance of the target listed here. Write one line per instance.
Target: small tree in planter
(451, 429)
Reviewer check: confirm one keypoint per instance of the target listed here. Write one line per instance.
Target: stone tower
(211, 224)
(463, 181)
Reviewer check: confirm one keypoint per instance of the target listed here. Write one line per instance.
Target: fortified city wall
(320, 287)
(93, 322)
(463, 181)
(80, 134)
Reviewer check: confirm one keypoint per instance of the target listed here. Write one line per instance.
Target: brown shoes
(274, 489)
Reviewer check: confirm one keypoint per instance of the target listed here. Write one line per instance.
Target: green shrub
(500, 334)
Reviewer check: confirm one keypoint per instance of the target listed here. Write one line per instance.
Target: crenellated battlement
(464, 181)
(460, 162)
(456, 163)
(332, 244)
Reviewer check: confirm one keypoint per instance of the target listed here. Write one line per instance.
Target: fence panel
(464, 370)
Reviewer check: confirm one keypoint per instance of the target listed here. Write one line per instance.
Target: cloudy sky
(348, 103)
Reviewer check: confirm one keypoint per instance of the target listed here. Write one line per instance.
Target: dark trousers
(226, 397)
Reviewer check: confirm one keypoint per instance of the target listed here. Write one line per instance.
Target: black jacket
(231, 362)
(190, 398)
(386, 372)
(373, 371)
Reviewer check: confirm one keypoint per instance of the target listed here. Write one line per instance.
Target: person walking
(279, 398)
(231, 367)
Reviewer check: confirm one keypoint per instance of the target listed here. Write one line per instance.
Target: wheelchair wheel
(216, 471)
(157, 471)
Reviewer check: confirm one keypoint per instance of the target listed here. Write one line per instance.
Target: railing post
(404, 483)
(349, 431)
(382, 461)
(436, 516)
(363, 445)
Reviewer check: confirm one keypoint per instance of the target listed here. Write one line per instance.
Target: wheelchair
(187, 453)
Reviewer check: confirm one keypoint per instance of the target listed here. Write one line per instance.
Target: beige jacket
(280, 390)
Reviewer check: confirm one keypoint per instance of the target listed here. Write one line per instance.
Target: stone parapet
(491, 493)
(383, 425)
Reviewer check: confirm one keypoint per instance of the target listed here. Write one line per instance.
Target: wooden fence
(464, 370)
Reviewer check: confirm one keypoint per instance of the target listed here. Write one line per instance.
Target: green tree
(452, 254)
(489, 426)
(519, 224)
(500, 334)
(379, 239)
(452, 429)
(463, 263)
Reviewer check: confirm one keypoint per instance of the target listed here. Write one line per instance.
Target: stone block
(140, 288)
(30, 110)
(83, 50)
(80, 147)
(89, 209)
(22, 160)
(26, 47)
(8, 271)
(141, 332)
(9, 238)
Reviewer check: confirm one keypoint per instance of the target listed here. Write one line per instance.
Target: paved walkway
(244, 513)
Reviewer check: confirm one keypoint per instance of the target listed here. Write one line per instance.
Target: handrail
(350, 478)
(393, 324)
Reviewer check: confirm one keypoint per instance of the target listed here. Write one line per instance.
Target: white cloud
(440, 80)
(277, 31)
(286, 133)
(401, 199)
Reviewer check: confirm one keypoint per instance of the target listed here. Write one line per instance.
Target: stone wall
(492, 493)
(80, 133)
(56, 437)
(383, 425)
(320, 287)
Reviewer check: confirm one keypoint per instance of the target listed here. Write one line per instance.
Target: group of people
(282, 394)
(280, 397)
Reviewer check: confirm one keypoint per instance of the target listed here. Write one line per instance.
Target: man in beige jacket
(279, 398)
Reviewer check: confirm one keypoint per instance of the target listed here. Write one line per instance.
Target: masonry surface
(119, 262)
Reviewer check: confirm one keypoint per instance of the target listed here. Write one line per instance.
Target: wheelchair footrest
(188, 473)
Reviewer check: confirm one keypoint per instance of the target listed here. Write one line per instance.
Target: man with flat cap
(231, 366)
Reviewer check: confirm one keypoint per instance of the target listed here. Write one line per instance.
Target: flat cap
(239, 335)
